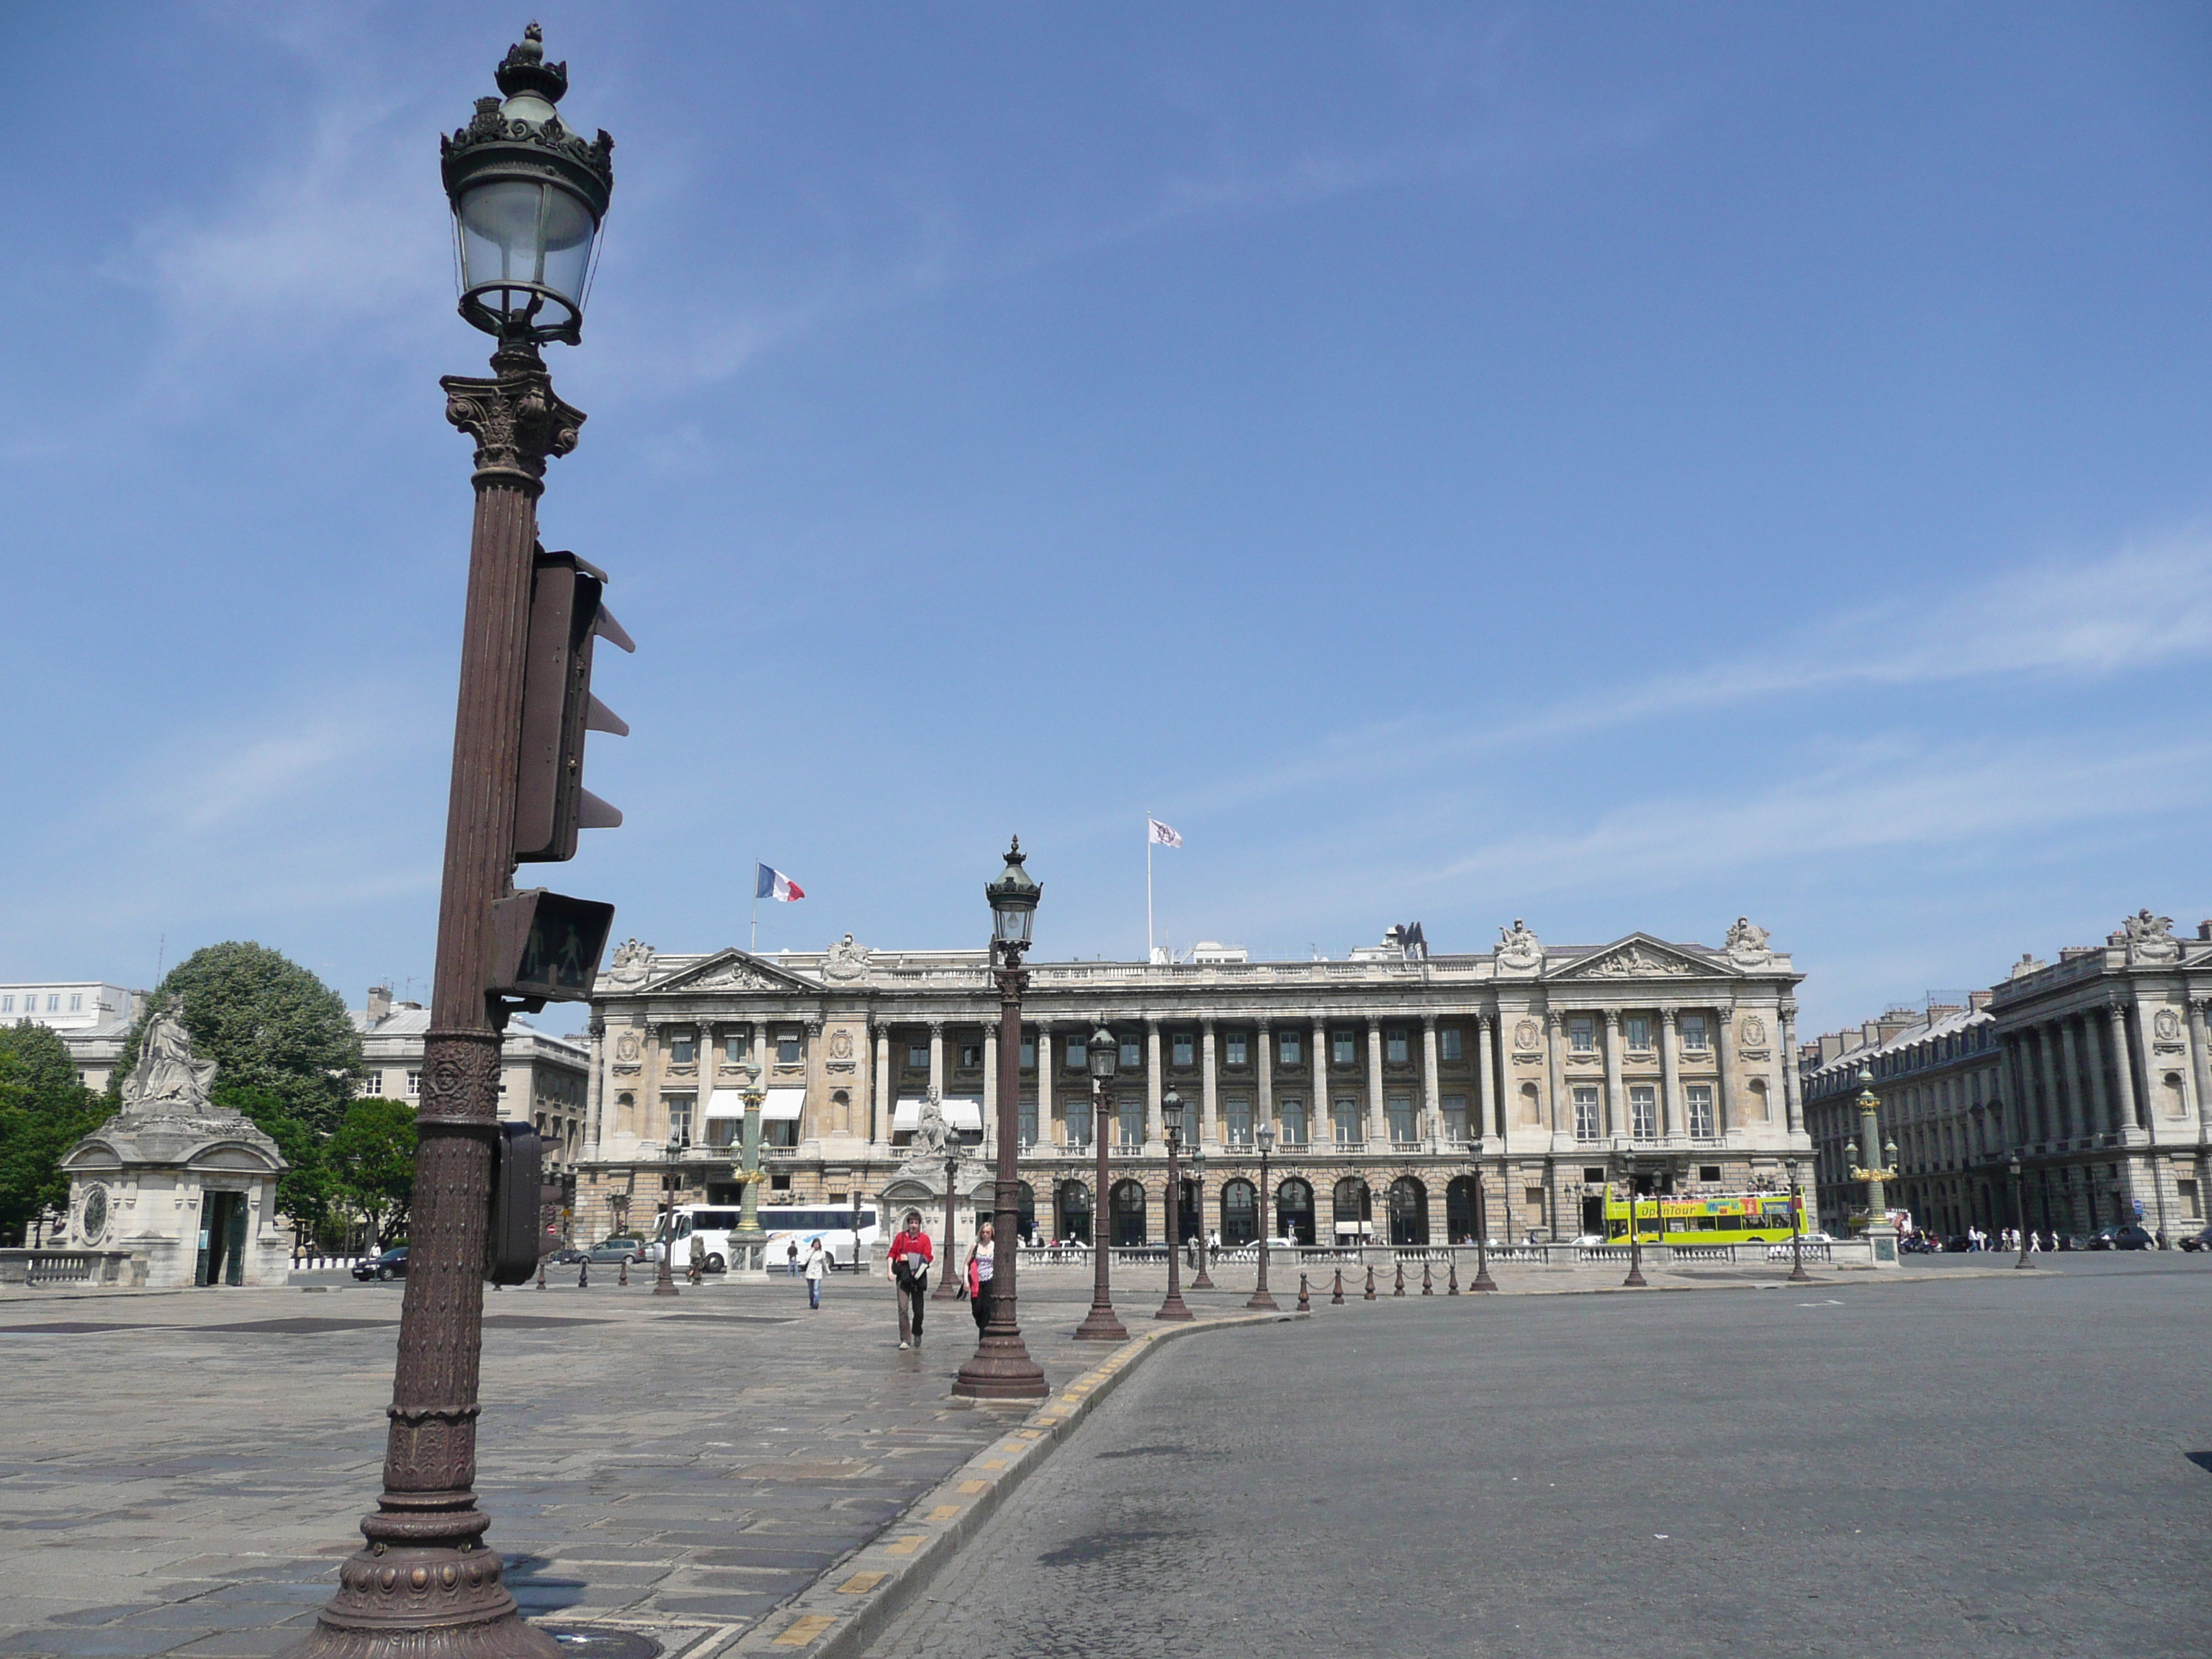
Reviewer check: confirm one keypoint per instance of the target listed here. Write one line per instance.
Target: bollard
(1370, 1282)
(540, 1273)
(622, 1273)
(1336, 1298)
(584, 1274)
(1305, 1301)
(1427, 1287)
(1451, 1277)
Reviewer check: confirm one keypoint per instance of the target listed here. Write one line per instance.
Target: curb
(838, 1620)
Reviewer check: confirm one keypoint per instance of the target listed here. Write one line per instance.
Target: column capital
(1555, 1018)
(1206, 1022)
(1482, 1020)
(936, 1027)
(1374, 1022)
(1787, 1008)
(1428, 1020)
(1261, 1022)
(1669, 1012)
(1152, 1024)
(1613, 1021)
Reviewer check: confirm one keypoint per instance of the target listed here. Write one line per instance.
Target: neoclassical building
(2092, 1071)
(1394, 1081)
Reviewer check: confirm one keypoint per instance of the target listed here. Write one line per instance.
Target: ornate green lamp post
(748, 1236)
(1881, 1231)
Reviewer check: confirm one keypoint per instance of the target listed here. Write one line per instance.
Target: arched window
(1190, 1211)
(1354, 1215)
(1240, 1212)
(1460, 1219)
(1409, 1212)
(841, 1112)
(1128, 1214)
(1025, 1202)
(1074, 1211)
(1294, 1210)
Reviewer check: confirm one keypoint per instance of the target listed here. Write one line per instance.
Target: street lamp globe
(1013, 899)
(1171, 1113)
(528, 198)
(1265, 1134)
(1105, 1054)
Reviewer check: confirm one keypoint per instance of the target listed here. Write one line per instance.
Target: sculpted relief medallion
(1524, 1035)
(1754, 1030)
(841, 1044)
(2167, 1024)
(627, 1047)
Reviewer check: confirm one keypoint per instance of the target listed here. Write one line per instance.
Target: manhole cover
(604, 1643)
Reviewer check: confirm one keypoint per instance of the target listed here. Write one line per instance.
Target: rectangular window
(787, 1048)
(2186, 1192)
(1343, 1045)
(1698, 1104)
(1640, 1031)
(414, 1085)
(1287, 1048)
(1232, 1049)
(1079, 1120)
(372, 1084)
(679, 1116)
(77, 1002)
(1027, 1128)
(1292, 1112)
(917, 1056)
(1078, 1054)
(1586, 1119)
(1344, 1115)
(1133, 1122)
(1183, 1048)
(971, 1055)
(736, 1045)
(1029, 1054)
(1236, 1113)
(1393, 1045)
(1582, 1036)
(1399, 1108)
(1643, 1112)
(54, 1003)
(7, 1004)
(1693, 1030)
(1448, 1044)
(1456, 1117)
(680, 1049)
(1133, 1055)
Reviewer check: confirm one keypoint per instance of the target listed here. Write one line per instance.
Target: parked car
(2127, 1236)
(565, 1256)
(616, 1249)
(392, 1264)
(2199, 1240)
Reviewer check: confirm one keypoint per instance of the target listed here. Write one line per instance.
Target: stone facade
(1397, 1075)
(2092, 1071)
(542, 1078)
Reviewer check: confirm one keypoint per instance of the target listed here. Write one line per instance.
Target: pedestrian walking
(911, 1255)
(791, 1259)
(982, 1262)
(816, 1268)
(2034, 1242)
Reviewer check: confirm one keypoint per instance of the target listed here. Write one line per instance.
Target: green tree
(44, 1112)
(267, 1022)
(371, 1160)
(303, 1191)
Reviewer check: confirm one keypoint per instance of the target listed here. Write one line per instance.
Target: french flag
(774, 883)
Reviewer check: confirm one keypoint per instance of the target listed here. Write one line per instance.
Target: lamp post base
(1102, 1324)
(1173, 1309)
(1000, 1369)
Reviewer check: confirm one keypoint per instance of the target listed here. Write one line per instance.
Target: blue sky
(1622, 467)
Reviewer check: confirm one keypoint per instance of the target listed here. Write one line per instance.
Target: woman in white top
(982, 1262)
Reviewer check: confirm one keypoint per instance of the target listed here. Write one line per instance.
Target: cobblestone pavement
(1949, 1463)
(181, 1472)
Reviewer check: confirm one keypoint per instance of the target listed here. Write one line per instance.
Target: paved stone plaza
(1628, 1475)
(181, 1472)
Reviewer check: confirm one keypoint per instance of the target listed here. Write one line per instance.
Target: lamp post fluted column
(948, 1285)
(1172, 1308)
(748, 1235)
(663, 1282)
(1797, 1273)
(1483, 1281)
(1000, 1368)
(1262, 1300)
(1102, 1324)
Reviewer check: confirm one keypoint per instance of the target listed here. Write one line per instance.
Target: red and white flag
(774, 883)
(1160, 833)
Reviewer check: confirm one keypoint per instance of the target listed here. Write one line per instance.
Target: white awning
(960, 1114)
(777, 1105)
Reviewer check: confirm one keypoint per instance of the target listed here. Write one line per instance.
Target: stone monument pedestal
(1881, 1238)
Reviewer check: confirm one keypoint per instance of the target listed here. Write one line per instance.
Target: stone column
(1724, 1052)
(2095, 1060)
(2077, 1124)
(1616, 1102)
(1556, 1106)
(1670, 1073)
(1209, 1125)
(2200, 1064)
(2054, 1114)
(1486, 1044)
(1046, 1103)
(1321, 1125)
(991, 1087)
(1155, 1129)
(595, 1091)
(1793, 1097)
(880, 1086)
(1378, 1130)
(1432, 1109)
(936, 1058)
(2132, 1112)
(1263, 1103)
(2023, 1118)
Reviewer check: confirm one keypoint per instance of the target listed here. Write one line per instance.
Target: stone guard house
(1394, 1081)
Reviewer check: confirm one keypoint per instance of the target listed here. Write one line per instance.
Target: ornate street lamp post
(1101, 1324)
(664, 1284)
(1797, 1273)
(748, 1235)
(1200, 1280)
(1000, 1368)
(2018, 1214)
(1260, 1300)
(1635, 1241)
(1171, 1116)
(1483, 1281)
(948, 1287)
(528, 196)
(1882, 1232)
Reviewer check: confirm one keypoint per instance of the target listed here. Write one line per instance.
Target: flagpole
(754, 948)
(1148, 889)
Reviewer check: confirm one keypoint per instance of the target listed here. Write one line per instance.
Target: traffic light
(545, 946)
(567, 614)
(517, 1172)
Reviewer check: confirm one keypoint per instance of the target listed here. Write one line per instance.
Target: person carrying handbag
(982, 1262)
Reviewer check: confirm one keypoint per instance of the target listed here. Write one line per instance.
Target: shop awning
(778, 1105)
(959, 1113)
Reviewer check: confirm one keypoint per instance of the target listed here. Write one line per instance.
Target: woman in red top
(911, 1255)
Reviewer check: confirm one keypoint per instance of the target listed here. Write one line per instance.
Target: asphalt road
(1994, 1464)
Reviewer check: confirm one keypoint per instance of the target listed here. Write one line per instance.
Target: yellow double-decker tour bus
(1732, 1219)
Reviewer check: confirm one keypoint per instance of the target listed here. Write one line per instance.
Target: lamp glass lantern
(1265, 1134)
(1171, 1113)
(1013, 899)
(1105, 1054)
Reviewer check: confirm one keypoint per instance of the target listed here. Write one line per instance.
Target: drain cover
(603, 1643)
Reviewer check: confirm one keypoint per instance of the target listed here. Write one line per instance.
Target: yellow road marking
(805, 1628)
(969, 1488)
(944, 1511)
(910, 1544)
(861, 1583)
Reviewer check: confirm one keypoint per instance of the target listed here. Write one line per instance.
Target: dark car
(1957, 1242)
(2128, 1238)
(2199, 1240)
(392, 1264)
(617, 1248)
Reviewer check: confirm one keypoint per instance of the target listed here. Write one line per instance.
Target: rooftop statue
(168, 1080)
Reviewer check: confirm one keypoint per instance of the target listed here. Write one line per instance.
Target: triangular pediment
(1642, 957)
(732, 970)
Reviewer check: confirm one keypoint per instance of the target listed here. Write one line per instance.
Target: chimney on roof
(380, 1004)
(1978, 1000)
(2205, 930)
